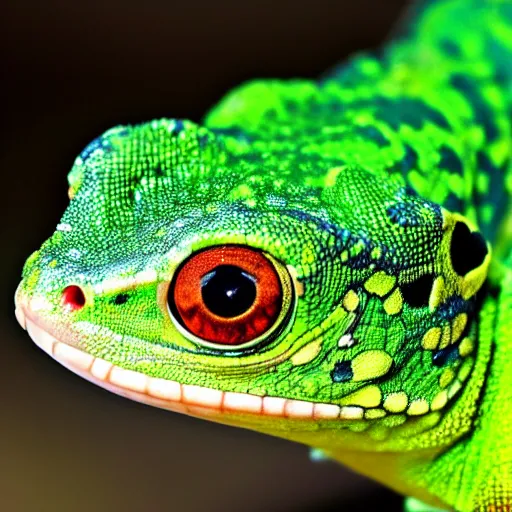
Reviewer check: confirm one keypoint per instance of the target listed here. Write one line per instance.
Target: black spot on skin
(450, 160)
(178, 127)
(291, 106)
(342, 372)
(228, 132)
(203, 141)
(499, 54)
(450, 48)
(451, 307)
(410, 191)
(482, 112)
(373, 134)
(485, 164)
(404, 214)
(410, 159)
(453, 203)
(417, 293)
(496, 194)
(97, 143)
(446, 355)
(408, 111)
(467, 250)
(451, 353)
(119, 299)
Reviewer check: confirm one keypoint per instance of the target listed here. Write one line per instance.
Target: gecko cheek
(227, 296)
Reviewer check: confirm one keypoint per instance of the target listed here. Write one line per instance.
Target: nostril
(73, 297)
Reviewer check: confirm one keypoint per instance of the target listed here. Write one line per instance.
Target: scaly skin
(378, 196)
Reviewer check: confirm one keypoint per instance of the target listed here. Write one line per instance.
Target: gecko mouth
(175, 396)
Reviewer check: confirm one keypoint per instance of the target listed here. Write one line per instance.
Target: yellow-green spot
(393, 304)
(369, 396)
(456, 184)
(395, 420)
(487, 212)
(52, 264)
(458, 326)
(370, 364)
(482, 182)
(357, 248)
(359, 426)
(431, 338)
(499, 151)
(32, 258)
(396, 402)
(351, 301)
(33, 278)
(242, 192)
(378, 432)
(307, 353)
(376, 253)
(332, 174)
(446, 336)
(430, 420)
(418, 407)
(374, 414)
(466, 347)
(454, 389)
(439, 400)
(380, 283)
(437, 294)
(417, 181)
(370, 66)
(308, 255)
(446, 378)
(465, 369)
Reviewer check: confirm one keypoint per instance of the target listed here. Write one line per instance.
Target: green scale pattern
(358, 182)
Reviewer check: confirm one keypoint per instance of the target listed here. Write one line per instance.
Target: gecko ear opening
(467, 249)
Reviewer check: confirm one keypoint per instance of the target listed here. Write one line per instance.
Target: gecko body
(325, 261)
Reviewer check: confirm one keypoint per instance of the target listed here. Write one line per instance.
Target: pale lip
(168, 394)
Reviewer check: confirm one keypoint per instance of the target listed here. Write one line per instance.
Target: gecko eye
(229, 295)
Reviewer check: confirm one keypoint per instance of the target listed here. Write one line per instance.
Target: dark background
(70, 70)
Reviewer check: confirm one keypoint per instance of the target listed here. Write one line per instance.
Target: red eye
(228, 295)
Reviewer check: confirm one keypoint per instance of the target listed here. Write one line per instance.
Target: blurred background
(70, 70)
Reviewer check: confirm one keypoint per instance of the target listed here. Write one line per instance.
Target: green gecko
(325, 261)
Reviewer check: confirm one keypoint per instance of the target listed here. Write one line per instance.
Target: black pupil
(228, 291)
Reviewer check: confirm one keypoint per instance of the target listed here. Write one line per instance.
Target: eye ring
(230, 297)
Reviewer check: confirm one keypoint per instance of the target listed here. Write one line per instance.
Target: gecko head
(188, 277)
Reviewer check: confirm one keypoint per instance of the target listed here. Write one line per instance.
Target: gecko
(327, 261)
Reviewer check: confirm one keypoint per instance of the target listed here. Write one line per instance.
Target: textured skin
(357, 184)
